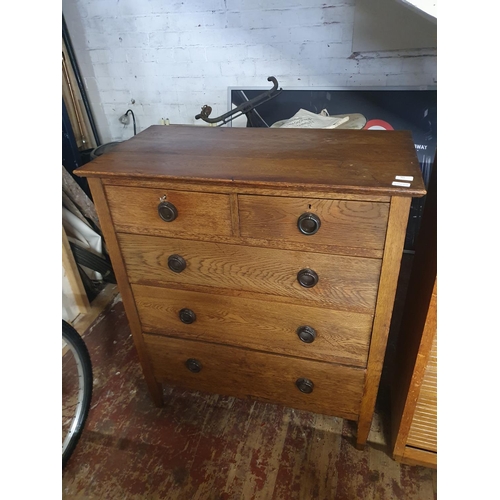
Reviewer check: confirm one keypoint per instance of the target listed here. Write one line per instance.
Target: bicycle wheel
(76, 388)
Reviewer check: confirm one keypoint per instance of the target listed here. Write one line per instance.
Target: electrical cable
(124, 119)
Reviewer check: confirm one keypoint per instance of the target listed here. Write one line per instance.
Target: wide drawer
(135, 210)
(339, 223)
(346, 283)
(243, 373)
(303, 331)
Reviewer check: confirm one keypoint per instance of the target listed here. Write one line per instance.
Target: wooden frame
(414, 381)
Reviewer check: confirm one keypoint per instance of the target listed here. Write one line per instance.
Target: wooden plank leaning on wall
(74, 105)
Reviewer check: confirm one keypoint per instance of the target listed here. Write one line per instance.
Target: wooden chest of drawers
(259, 263)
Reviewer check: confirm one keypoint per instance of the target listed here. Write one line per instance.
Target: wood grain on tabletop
(244, 373)
(343, 160)
(343, 223)
(115, 255)
(341, 337)
(393, 251)
(346, 283)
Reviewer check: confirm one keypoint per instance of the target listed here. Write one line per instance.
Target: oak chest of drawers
(260, 263)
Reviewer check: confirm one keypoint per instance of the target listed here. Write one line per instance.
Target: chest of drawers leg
(102, 208)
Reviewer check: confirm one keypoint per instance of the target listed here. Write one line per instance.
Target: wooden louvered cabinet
(260, 263)
(423, 429)
(414, 381)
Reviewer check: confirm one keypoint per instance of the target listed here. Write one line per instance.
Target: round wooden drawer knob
(187, 316)
(307, 278)
(176, 263)
(305, 385)
(308, 223)
(193, 365)
(306, 333)
(167, 211)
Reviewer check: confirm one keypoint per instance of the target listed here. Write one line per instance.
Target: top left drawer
(169, 213)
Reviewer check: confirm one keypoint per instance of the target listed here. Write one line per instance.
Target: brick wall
(171, 57)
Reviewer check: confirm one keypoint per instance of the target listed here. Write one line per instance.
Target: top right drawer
(344, 224)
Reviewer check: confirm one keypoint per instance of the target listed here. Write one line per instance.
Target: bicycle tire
(80, 352)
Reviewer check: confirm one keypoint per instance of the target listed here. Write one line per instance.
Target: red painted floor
(209, 447)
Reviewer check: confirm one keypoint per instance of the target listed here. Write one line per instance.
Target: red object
(377, 125)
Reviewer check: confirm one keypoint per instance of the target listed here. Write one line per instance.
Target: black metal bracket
(243, 108)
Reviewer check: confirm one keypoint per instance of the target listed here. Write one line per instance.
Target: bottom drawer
(243, 373)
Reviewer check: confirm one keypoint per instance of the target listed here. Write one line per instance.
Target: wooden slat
(220, 187)
(70, 267)
(253, 242)
(98, 306)
(74, 104)
(75, 193)
(113, 247)
(396, 231)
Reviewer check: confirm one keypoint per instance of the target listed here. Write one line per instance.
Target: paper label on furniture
(402, 184)
(404, 177)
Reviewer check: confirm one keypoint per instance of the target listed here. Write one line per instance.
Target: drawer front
(244, 373)
(135, 210)
(333, 336)
(337, 223)
(346, 283)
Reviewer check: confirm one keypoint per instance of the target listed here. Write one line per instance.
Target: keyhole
(309, 207)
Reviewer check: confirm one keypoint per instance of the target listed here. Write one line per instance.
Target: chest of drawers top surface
(353, 161)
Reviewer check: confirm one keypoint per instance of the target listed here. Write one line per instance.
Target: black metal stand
(243, 109)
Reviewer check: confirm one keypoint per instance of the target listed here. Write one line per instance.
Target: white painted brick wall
(169, 57)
